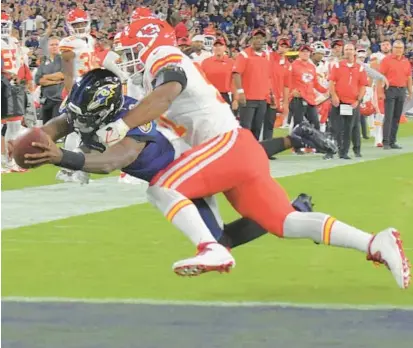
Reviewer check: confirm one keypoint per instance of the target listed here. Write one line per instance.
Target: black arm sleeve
(170, 74)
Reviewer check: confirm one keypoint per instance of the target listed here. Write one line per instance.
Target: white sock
(181, 212)
(323, 127)
(72, 141)
(378, 129)
(325, 229)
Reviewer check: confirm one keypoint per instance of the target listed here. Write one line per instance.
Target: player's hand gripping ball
(33, 149)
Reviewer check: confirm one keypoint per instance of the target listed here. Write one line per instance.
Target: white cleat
(129, 179)
(386, 247)
(210, 257)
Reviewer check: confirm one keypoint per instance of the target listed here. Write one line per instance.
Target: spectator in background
(396, 68)
(278, 101)
(218, 70)
(32, 42)
(199, 53)
(252, 82)
(304, 82)
(50, 77)
(348, 82)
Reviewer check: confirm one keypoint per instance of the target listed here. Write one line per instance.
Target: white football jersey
(377, 56)
(199, 58)
(199, 113)
(84, 50)
(12, 55)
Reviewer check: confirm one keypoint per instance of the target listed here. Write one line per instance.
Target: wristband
(72, 160)
(240, 90)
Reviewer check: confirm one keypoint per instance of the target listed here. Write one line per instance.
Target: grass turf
(127, 253)
(45, 175)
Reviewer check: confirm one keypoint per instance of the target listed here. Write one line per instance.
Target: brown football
(23, 145)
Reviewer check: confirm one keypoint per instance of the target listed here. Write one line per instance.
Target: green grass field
(128, 252)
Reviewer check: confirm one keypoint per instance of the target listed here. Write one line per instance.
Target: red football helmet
(139, 39)
(6, 25)
(141, 13)
(367, 108)
(78, 22)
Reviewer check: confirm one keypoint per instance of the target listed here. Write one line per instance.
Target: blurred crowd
(363, 22)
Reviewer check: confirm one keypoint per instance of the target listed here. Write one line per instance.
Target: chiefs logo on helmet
(367, 108)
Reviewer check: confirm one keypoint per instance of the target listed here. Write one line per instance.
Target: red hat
(337, 43)
(259, 31)
(220, 41)
(284, 41)
(304, 47)
(184, 41)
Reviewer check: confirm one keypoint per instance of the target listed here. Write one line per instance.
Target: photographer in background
(50, 77)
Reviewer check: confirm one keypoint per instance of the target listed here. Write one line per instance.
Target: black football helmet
(94, 100)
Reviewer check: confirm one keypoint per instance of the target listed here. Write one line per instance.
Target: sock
(181, 212)
(240, 232)
(273, 146)
(325, 229)
(323, 127)
(209, 218)
(72, 141)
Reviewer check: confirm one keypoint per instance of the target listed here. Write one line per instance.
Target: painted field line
(138, 301)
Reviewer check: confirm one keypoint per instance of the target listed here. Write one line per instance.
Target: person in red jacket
(251, 76)
(302, 89)
(218, 70)
(277, 101)
(348, 81)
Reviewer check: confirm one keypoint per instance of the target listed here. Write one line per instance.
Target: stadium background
(102, 253)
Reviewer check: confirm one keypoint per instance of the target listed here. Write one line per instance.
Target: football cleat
(313, 138)
(386, 248)
(303, 203)
(210, 257)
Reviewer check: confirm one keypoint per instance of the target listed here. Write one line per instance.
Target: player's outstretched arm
(116, 157)
(58, 127)
(155, 104)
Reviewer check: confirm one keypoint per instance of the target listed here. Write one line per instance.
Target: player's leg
(3, 145)
(378, 129)
(244, 230)
(281, 220)
(199, 172)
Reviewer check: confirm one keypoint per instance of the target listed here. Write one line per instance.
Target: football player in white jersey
(78, 57)
(375, 60)
(133, 86)
(15, 74)
(322, 69)
(224, 158)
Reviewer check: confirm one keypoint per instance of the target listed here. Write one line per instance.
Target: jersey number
(9, 59)
(219, 96)
(85, 62)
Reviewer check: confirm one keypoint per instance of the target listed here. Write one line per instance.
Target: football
(23, 145)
